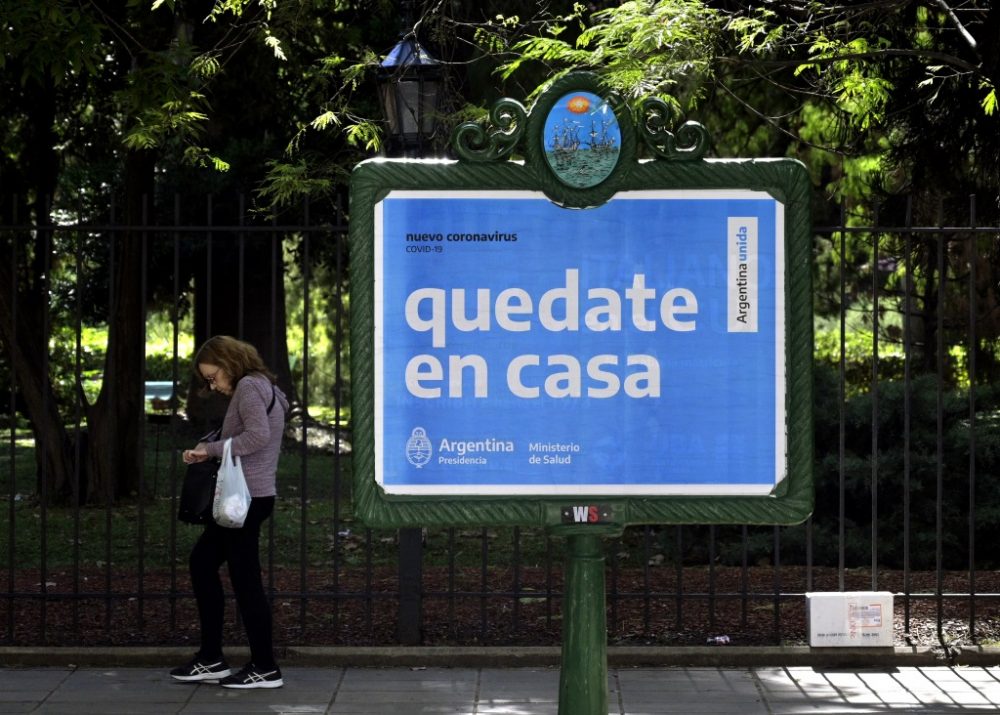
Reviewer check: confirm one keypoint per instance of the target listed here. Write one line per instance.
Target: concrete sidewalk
(403, 690)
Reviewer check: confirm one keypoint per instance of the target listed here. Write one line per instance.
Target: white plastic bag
(232, 497)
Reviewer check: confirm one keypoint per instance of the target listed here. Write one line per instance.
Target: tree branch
(958, 24)
(771, 121)
(943, 57)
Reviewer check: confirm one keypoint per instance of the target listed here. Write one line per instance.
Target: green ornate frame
(486, 162)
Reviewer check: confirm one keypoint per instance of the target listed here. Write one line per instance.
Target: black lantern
(409, 87)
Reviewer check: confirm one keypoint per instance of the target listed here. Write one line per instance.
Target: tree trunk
(24, 284)
(20, 333)
(117, 419)
(244, 296)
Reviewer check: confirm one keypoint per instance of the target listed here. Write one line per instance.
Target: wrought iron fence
(907, 450)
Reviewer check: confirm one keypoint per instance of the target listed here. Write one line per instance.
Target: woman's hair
(236, 357)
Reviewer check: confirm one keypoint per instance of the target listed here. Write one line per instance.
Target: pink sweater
(256, 434)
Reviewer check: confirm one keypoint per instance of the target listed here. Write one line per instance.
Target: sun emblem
(578, 104)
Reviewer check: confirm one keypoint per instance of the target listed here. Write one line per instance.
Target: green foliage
(848, 69)
(848, 86)
(324, 146)
(904, 471)
(175, 117)
(759, 34)
(642, 48)
(858, 358)
(64, 358)
(990, 100)
(366, 135)
(907, 491)
(287, 183)
(238, 8)
(328, 358)
(53, 40)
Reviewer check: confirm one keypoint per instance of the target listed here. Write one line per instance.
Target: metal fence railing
(907, 446)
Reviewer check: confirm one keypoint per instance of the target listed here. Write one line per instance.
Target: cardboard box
(854, 619)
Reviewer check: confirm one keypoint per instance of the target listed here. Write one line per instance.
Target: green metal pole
(583, 680)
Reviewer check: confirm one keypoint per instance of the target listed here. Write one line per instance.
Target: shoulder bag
(198, 492)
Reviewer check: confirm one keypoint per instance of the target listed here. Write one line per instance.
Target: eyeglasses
(210, 379)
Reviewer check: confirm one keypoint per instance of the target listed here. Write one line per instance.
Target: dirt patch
(655, 606)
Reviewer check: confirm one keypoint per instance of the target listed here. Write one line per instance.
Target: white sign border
(564, 490)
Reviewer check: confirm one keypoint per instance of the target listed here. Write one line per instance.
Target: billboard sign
(532, 345)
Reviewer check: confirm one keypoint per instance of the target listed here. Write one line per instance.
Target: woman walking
(255, 420)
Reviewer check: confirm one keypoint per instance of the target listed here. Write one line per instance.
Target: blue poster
(636, 348)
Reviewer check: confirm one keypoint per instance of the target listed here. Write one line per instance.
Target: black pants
(240, 548)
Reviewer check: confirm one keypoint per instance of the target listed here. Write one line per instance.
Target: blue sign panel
(635, 348)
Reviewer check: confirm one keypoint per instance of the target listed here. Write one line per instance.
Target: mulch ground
(644, 607)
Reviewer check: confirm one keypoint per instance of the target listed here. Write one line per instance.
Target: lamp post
(409, 85)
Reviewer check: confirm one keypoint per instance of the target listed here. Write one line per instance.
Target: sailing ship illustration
(570, 152)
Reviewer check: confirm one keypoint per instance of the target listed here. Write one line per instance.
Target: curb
(520, 657)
